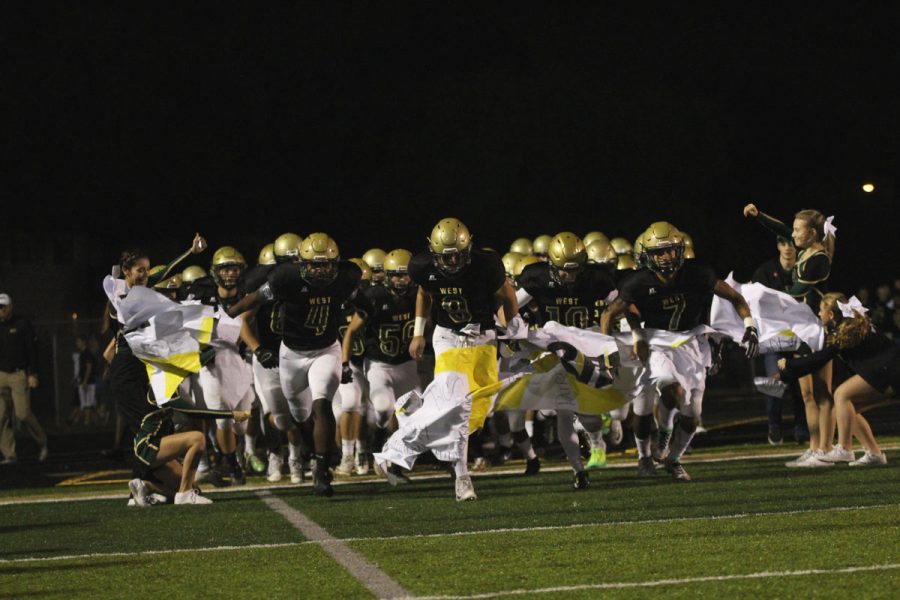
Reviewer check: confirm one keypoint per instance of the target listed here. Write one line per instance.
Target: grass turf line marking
(387, 538)
(495, 472)
(368, 574)
(665, 582)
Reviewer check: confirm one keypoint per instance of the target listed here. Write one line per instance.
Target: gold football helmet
(266, 255)
(192, 273)
(592, 236)
(688, 240)
(601, 252)
(169, 283)
(227, 267)
(366, 270)
(287, 247)
(375, 259)
(509, 262)
(396, 269)
(662, 248)
(451, 246)
(567, 257)
(621, 245)
(524, 262)
(521, 246)
(626, 262)
(541, 244)
(689, 254)
(155, 270)
(319, 257)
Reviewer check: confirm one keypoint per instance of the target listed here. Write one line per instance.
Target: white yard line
(495, 472)
(666, 582)
(360, 568)
(456, 533)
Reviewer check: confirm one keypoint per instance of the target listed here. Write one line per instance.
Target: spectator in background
(85, 371)
(864, 296)
(18, 376)
(776, 274)
(881, 311)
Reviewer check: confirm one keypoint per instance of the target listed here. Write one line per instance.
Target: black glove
(346, 373)
(751, 340)
(267, 358)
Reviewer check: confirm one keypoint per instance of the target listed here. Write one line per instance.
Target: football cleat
(676, 470)
(465, 491)
(598, 459)
(660, 450)
(273, 471)
(253, 461)
(480, 464)
(322, 479)
(297, 473)
(393, 473)
(533, 466)
(646, 468)
(345, 469)
(581, 481)
(362, 464)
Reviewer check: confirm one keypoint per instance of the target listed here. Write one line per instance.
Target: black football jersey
(312, 314)
(467, 297)
(269, 315)
(390, 319)
(206, 291)
(577, 305)
(358, 347)
(678, 305)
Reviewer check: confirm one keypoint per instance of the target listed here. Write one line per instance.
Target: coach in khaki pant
(18, 376)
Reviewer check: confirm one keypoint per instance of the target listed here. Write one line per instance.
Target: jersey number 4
(317, 318)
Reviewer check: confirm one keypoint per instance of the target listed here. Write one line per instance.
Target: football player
(267, 320)
(670, 295)
(463, 286)
(375, 259)
(572, 292)
(350, 400)
(311, 294)
(540, 246)
(225, 384)
(385, 317)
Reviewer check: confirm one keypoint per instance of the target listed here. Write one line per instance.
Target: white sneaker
(800, 459)
(870, 460)
(815, 461)
(345, 469)
(273, 471)
(839, 454)
(152, 500)
(296, 467)
(191, 497)
(362, 464)
(139, 492)
(464, 489)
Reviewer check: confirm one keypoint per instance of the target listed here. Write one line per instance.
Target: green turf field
(746, 527)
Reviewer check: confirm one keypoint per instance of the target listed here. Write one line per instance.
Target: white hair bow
(852, 305)
(829, 228)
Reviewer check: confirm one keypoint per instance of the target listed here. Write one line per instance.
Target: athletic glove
(751, 340)
(267, 358)
(346, 373)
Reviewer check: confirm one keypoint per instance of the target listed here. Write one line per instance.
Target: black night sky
(372, 121)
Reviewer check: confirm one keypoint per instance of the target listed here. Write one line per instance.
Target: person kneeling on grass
(874, 359)
(158, 447)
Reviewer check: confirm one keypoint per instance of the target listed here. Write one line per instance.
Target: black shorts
(155, 426)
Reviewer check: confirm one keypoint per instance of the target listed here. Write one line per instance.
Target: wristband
(749, 322)
(637, 335)
(419, 327)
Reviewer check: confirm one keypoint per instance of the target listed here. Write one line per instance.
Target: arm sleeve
(798, 367)
(813, 271)
(773, 225)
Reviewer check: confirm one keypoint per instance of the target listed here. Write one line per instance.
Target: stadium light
(868, 187)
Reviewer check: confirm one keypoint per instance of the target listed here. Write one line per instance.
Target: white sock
(526, 449)
(461, 469)
(294, 451)
(596, 440)
(565, 426)
(666, 417)
(348, 447)
(643, 446)
(249, 444)
(679, 443)
(203, 465)
(529, 428)
(360, 446)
